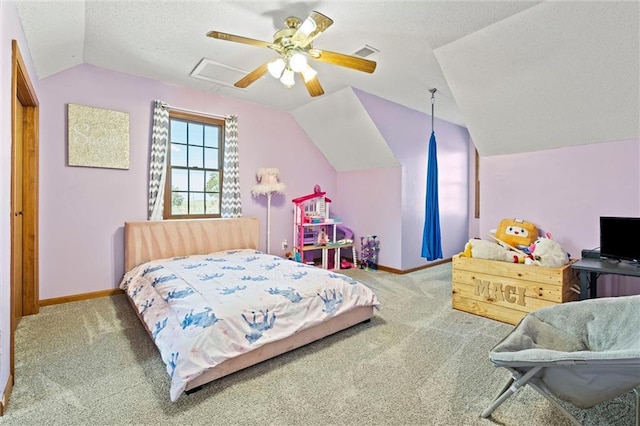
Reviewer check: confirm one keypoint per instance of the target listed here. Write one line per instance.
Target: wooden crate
(506, 291)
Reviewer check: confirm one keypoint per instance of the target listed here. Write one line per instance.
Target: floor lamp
(268, 183)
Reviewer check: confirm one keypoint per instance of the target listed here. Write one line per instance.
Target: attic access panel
(218, 73)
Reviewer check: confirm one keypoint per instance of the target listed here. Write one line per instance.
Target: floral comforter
(205, 309)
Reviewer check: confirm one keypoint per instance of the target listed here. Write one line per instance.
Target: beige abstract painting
(97, 137)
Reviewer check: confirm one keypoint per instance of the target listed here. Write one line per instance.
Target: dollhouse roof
(304, 198)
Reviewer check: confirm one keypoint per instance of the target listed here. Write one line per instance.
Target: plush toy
(483, 249)
(547, 252)
(516, 232)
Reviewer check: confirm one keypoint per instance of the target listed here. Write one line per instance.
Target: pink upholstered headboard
(144, 241)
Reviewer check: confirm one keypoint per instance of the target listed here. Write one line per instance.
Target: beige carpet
(417, 363)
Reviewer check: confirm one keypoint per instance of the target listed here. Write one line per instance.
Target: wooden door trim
(23, 91)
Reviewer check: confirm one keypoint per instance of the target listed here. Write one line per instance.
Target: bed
(213, 304)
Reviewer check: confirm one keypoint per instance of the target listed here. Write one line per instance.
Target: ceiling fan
(294, 44)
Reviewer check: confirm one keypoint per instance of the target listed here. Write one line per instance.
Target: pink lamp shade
(268, 182)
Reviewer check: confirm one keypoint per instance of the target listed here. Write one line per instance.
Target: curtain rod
(167, 106)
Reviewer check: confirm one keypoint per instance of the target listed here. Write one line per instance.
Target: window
(194, 166)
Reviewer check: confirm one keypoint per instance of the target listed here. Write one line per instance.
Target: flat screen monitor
(620, 238)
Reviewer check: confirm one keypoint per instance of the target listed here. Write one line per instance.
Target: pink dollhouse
(314, 230)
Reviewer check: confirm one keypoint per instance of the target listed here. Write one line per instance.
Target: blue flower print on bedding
(136, 290)
(194, 265)
(172, 363)
(256, 278)
(214, 259)
(251, 259)
(298, 275)
(270, 266)
(227, 290)
(151, 269)
(331, 301)
(159, 326)
(163, 279)
(147, 305)
(259, 327)
(209, 277)
(290, 293)
(344, 278)
(234, 268)
(178, 294)
(202, 319)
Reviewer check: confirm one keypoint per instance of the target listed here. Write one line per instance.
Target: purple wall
(370, 203)
(565, 191)
(83, 209)
(407, 133)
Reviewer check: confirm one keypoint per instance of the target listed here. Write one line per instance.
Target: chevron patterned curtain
(231, 200)
(158, 161)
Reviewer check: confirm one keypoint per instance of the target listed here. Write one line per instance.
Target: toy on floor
(369, 248)
(547, 252)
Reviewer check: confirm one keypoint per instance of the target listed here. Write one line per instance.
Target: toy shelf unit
(314, 231)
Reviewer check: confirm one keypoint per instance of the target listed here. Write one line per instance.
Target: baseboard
(418, 268)
(78, 297)
(8, 388)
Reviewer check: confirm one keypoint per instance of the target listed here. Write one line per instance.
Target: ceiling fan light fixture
(308, 73)
(276, 67)
(288, 77)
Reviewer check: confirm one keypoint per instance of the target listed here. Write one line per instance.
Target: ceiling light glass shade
(298, 62)
(307, 27)
(288, 78)
(308, 73)
(276, 67)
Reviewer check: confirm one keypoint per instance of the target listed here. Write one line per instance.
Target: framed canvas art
(97, 137)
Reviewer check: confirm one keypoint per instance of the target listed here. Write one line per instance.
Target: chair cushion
(596, 329)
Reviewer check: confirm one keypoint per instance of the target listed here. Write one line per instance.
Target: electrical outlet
(284, 245)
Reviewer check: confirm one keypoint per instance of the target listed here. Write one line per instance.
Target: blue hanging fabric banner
(431, 241)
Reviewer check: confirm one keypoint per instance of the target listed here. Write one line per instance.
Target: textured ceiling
(559, 73)
(506, 70)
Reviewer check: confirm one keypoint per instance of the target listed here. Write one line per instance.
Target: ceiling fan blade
(238, 39)
(315, 24)
(252, 76)
(353, 62)
(313, 87)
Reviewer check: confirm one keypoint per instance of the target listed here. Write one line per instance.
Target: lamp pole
(268, 222)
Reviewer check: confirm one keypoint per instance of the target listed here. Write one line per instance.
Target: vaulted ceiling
(520, 75)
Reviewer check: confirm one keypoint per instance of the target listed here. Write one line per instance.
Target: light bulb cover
(307, 27)
(308, 73)
(288, 77)
(298, 62)
(276, 67)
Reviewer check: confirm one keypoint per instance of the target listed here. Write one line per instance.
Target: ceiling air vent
(217, 73)
(366, 51)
